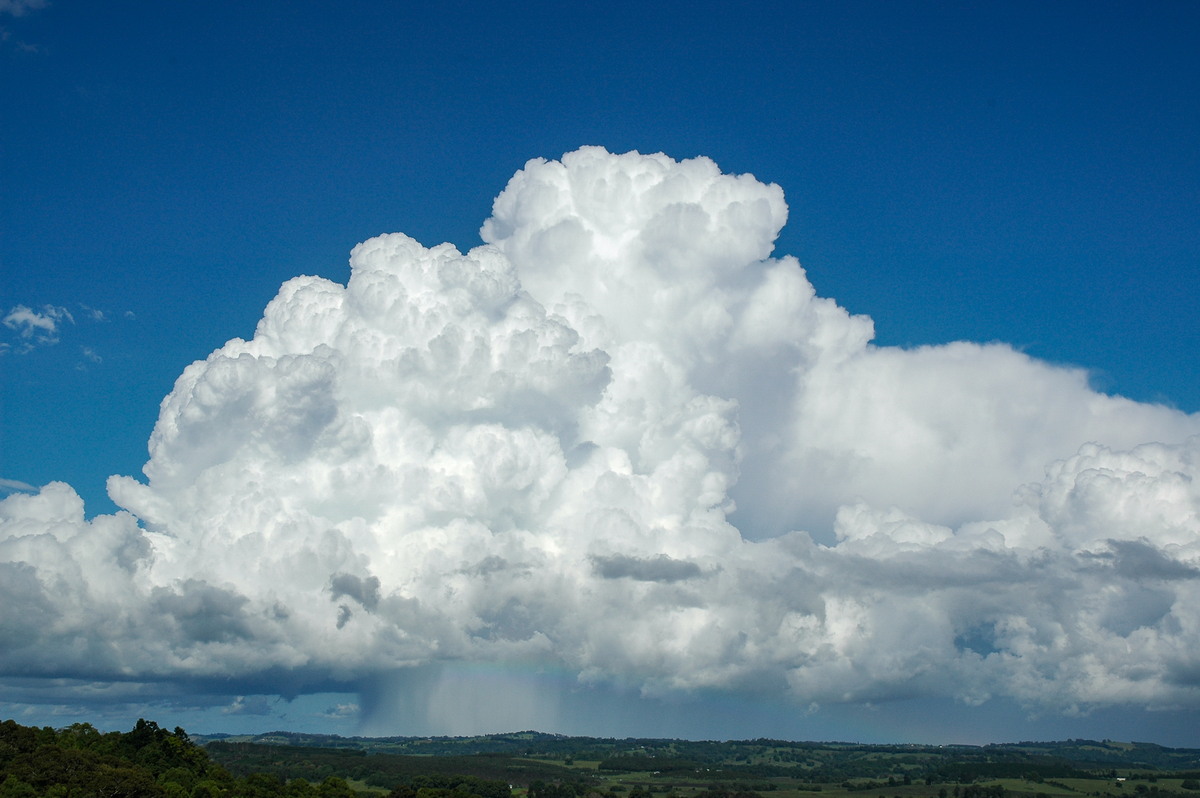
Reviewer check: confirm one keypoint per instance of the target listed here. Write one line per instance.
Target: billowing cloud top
(620, 439)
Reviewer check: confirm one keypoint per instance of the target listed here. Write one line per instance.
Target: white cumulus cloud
(621, 440)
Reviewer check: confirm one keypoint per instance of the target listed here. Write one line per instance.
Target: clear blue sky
(1018, 172)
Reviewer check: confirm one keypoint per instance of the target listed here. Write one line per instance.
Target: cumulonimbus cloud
(621, 439)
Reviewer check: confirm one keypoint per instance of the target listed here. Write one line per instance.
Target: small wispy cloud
(95, 314)
(250, 705)
(37, 327)
(15, 486)
(339, 711)
(19, 8)
(32, 327)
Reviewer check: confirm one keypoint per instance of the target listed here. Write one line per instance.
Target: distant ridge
(1059, 756)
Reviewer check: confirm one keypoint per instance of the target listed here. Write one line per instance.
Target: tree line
(150, 762)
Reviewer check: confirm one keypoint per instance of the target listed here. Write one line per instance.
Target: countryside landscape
(741, 399)
(152, 762)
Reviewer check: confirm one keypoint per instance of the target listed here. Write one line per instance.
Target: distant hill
(765, 758)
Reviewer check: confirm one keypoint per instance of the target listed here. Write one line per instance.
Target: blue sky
(1020, 173)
